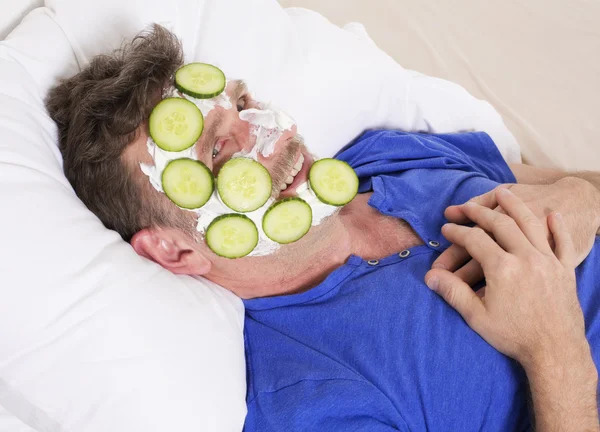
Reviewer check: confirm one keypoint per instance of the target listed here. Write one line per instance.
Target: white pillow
(100, 339)
(334, 82)
(93, 337)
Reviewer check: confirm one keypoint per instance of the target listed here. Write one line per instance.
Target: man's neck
(359, 230)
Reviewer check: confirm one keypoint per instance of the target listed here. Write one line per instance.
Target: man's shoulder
(414, 144)
(370, 136)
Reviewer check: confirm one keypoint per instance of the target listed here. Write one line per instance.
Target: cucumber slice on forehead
(232, 236)
(333, 181)
(188, 183)
(287, 220)
(175, 124)
(200, 80)
(244, 185)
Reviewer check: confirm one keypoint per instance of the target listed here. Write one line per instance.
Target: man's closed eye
(242, 103)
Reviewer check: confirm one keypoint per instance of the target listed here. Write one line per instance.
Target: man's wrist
(590, 192)
(570, 365)
(564, 389)
(545, 358)
(578, 368)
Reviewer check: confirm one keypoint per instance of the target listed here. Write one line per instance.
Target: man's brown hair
(98, 113)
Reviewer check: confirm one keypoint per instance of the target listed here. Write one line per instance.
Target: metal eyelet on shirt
(373, 262)
(404, 253)
(434, 244)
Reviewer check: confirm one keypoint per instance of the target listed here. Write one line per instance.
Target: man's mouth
(297, 176)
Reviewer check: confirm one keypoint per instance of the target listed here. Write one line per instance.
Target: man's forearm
(592, 182)
(564, 391)
(527, 174)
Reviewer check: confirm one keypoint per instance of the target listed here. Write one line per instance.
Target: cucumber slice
(244, 184)
(175, 124)
(333, 181)
(200, 80)
(232, 235)
(287, 220)
(188, 183)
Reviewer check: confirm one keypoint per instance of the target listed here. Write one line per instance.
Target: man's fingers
(505, 230)
(477, 243)
(471, 273)
(565, 248)
(452, 258)
(459, 295)
(456, 215)
(527, 221)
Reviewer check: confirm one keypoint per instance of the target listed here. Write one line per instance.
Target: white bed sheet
(11, 13)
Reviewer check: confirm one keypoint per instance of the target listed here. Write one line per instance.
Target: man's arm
(531, 175)
(529, 308)
(576, 196)
(528, 174)
(563, 389)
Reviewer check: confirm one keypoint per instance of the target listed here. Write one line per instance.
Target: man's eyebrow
(239, 90)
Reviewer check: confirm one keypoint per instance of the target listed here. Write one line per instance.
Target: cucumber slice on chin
(232, 236)
(287, 220)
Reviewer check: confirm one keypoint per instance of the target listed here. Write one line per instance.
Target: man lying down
(341, 331)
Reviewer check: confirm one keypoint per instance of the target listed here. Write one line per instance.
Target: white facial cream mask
(268, 124)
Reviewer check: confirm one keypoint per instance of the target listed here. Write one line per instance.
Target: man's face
(226, 134)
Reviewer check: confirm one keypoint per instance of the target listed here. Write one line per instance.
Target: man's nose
(243, 135)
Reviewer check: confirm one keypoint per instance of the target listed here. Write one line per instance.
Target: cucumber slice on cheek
(188, 183)
(175, 124)
(287, 220)
(333, 181)
(232, 236)
(244, 184)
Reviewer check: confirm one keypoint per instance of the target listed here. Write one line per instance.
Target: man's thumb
(457, 294)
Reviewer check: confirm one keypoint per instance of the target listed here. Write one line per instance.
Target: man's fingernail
(433, 283)
(438, 266)
(504, 191)
(558, 216)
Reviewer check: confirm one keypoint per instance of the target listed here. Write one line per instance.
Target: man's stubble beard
(283, 165)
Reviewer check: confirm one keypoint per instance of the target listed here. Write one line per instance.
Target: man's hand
(576, 199)
(529, 308)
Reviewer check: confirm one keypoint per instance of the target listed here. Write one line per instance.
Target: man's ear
(170, 251)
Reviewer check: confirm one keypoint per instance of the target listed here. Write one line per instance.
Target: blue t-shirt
(372, 348)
